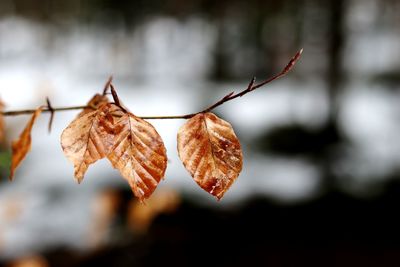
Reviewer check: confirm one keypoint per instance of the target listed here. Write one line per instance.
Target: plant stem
(251, 87)
(30, 111)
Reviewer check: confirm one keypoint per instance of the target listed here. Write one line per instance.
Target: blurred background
(321, 179)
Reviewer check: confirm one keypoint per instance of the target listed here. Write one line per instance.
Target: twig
(30, 111)
(51, 109)
(107, 85)
(116, 98)
(251, 87)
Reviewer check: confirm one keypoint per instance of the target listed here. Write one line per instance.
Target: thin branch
(51, 109)
(116, 98)
(30, 111)
(251, 87)
(107, 85)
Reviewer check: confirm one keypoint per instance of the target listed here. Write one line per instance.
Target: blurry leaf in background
(211, 152)
(104, 210)
(31, 261)
(11, 208)
(140, 216)
(22, 145)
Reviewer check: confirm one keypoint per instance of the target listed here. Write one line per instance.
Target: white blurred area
(160, 68)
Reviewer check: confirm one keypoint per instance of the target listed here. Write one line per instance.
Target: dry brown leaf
(94, 103)
(87, 139)
(22, 145)
(139, 154)
(210, 151)
(1, 121)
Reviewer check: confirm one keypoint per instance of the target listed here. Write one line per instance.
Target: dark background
(351, 56)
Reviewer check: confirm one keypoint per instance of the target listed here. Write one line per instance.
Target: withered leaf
(1, 121)
(94, 103)
(139, 154)
(87, 140)
(210, 151)
(22, 145)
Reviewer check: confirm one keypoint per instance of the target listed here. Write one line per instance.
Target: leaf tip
(219, 195)
(142, 201)
(218, 198)
(78, 179)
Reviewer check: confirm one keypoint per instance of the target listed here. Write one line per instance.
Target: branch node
(292, 62)
(107, 85)
(52, 113)
(115, 97)
(228, 95)
(251, 83)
